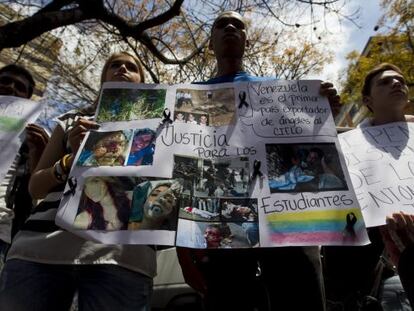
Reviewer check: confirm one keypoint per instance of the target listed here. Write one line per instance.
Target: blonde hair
(115, 55)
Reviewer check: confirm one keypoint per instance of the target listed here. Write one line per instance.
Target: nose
(122, 68)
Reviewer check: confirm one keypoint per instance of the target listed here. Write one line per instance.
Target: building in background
(38, 56)
(396, 49)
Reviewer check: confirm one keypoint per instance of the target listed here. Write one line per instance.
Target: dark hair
(366, 88)
(318, 151)
(145, 131)
(21, 71)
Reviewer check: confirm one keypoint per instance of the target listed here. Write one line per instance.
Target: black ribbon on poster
(256, 169)
(351, 220)
(72, 183)
(166, 117)
(243, 102)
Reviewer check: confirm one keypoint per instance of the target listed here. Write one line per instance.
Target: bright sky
(349, 37)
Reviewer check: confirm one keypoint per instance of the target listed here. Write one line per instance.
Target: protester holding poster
(15, 200)
(109, 277)
(284, 278)
(352, 273)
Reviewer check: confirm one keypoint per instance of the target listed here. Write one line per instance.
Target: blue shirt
(240, 76)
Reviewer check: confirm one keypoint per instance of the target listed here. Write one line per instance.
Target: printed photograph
(128, 203)
(105, 203)
(217, 234)
(304, 168)
(155, 205)
(238, 210)
(105, 149)
(199, 208)
(142, 147)
(213, 107)
(191, 118)
(213, 178)
(130, 104)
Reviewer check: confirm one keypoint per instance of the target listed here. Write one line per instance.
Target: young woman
(46, 265)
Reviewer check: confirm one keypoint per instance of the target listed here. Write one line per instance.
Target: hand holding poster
(381, 165)
(239, 165)
(15, 114)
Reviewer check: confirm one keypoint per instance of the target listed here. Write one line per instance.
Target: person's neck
(384, 118)
(228, 66)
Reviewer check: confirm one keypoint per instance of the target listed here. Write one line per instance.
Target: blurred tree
(394, 45)
(170, 37)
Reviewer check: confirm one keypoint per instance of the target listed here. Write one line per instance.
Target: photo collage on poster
(185, 165)
(205, 107)
(215, 208)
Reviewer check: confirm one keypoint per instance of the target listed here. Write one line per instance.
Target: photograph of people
(142, 148)
(105, 149)
(105, 204)
(304, 167)
(179, 117)
(191, 119)
(197, 234)
(203, 120)
(154, 205)
(239, 210)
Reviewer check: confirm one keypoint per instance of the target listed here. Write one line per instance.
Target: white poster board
(380, 160)
(239, 165)
(15, 114)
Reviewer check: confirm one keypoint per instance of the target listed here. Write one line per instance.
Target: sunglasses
(19, 85)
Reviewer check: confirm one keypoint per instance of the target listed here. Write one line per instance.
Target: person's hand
(327, 89)
(36, 139)
(398, 234)
(78, 132)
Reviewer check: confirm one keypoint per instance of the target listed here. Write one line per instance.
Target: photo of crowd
(130, 104)
(217, 234)
(119, 148)
(213, 107)
(191, 118)
(304, 168)
(128, 203)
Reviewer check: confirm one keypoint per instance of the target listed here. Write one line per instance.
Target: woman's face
(141, 141)
(95, 189)
(123, 69)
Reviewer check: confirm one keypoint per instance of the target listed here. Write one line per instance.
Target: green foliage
(131, 104)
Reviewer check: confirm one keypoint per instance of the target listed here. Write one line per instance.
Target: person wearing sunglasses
(15, 200)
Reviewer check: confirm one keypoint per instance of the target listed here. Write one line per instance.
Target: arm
(37, 139)
(43, 178)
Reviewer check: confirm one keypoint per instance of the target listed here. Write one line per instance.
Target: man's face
(228, 36)
(203, 120)
(141, 141)
(12, 84)
(389, 93)
(108, 149)
(213, 237)
(312, 159)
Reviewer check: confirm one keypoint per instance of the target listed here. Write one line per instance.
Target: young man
(351, 271)
(287, 278)
(15, 201)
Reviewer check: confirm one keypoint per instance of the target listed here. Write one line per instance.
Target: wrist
(59, 173)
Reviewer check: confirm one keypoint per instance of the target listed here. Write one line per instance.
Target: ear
(367, 101)
(210, 45)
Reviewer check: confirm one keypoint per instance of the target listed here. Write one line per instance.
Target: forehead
(123, 59)
(387, 74)
(228, 17)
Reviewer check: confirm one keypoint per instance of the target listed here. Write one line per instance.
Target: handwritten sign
(380, 160)
(15, 114)
(237, 166)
